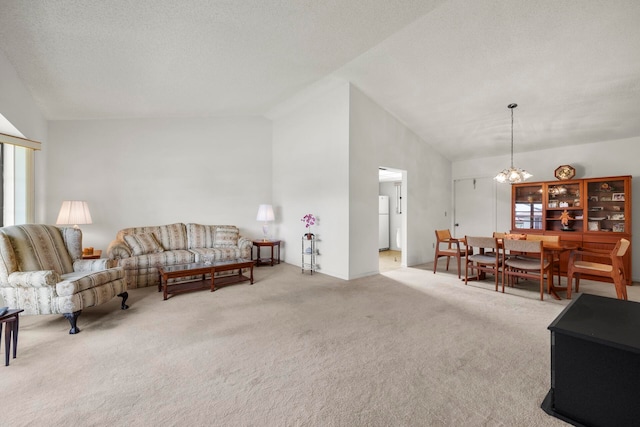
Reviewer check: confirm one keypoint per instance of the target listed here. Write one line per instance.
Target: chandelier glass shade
(512, 175)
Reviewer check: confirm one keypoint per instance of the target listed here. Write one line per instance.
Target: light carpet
(404, 348)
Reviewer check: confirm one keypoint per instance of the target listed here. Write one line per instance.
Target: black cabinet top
(604, 320)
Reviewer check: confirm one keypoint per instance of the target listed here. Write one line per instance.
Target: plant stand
(309, 253)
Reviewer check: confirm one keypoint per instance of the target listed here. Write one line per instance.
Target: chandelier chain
(512, 175)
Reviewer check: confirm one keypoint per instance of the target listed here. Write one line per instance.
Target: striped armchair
(42, 272)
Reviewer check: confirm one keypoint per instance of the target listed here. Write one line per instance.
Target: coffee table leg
(7, 343)
(251, 269)
(15, 337)
(1, 324)
(165, 285)
(213, 285)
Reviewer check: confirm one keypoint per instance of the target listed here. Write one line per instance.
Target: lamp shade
(265, 213)
(74, 212)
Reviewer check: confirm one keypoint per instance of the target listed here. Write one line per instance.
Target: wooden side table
(11, 319)
(95, 255)
(267, 261)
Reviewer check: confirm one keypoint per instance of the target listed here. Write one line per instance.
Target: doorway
(391, 218)
(474, 207)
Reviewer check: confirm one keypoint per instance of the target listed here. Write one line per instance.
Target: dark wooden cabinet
(595, 363)
(592, 212)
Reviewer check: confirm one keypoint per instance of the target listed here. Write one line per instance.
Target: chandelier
(512, 175)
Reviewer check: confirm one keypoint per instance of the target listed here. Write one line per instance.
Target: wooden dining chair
(555, 261)
(611, 267)
(534, 265)
(448, 246)
(484, 257)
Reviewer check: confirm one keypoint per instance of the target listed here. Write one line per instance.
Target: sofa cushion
(144, 243)
(75, 282)
(226, 235)
(39, 247)
(217, 254)
(171, 236)
(200, 236)
(153, 260)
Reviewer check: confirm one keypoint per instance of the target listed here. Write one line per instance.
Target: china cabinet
(591, 212)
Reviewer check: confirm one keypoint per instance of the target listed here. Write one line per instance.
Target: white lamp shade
(74, 212)
(265, 213)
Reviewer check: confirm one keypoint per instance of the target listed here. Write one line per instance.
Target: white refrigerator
(383, 223)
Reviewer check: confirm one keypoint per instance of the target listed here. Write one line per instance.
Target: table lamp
(74, 212)
(265, 214)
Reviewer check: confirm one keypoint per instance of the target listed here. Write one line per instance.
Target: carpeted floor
(404, 348)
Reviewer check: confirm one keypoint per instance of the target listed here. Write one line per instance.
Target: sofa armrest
(244, 242)
(90, 264)
(118, 250)
(33, 279)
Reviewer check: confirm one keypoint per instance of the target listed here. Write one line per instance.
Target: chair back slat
(443, 234)
(481, 242)
(622, 247)
(528, 246)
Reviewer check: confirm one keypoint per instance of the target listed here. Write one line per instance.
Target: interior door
(474, 210)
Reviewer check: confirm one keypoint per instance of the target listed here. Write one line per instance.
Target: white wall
(311, 175)
(157, 171)
(378, 138)
(601, 159)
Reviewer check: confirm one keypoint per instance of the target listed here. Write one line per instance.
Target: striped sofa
(42, 272)
(140, 250)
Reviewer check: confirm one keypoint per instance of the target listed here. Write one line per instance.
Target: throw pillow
(226, 235)
(145, 243)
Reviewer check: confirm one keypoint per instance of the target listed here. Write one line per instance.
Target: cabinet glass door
(607, 206)
(527, 207)
(564, 206)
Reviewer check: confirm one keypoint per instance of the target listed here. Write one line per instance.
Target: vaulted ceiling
(446, 68)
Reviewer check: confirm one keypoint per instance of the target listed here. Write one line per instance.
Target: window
(17, 177)
(17, 184)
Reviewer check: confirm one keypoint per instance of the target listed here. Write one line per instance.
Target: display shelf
(607, 206)
(597, 211)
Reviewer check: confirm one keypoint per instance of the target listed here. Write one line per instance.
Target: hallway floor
(389, 260)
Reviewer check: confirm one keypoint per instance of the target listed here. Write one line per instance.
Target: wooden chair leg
(618, 283)
(466, 272)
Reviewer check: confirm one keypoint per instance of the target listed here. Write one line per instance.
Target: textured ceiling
(446, 68)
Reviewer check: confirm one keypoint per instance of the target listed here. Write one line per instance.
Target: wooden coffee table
(233, 264)
(201, 269)
(184, 270)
